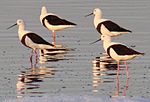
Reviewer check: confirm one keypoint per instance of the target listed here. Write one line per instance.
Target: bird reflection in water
(30, 79)
(50, 55)
(104, 71)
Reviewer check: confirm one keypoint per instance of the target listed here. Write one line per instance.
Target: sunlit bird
(53, 22)
(30, 39)
(106, 26)
(119, 52)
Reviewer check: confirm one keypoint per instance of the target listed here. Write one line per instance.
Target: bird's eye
(19, 21)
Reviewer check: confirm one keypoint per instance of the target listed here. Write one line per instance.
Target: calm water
(79, 71)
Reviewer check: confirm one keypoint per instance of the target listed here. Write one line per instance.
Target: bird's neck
(43, 13)
(21, 31)
(97, 19)
(106, 43)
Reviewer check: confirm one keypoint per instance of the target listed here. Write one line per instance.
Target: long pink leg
(117, 78)
(127, 85)
(127, 71)
(54, 38)
(118, 69)
(118, 86)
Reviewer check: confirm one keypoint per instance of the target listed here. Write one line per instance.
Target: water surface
(74, 73)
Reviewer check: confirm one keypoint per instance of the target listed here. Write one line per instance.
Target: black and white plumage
(106, 26)
(53, 22)
(118, 51)
(56, 21)
(35, 39)
(30, 39)
(122, 52)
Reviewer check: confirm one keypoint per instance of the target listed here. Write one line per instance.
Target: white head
(105, 37)
(43, 10)
(97, 11)
(20, 22)
(21, 29)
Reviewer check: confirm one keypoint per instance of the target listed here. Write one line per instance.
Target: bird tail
(72, 25)
(129, 31)
(142, 54)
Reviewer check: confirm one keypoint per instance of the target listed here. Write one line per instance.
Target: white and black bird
(118, 51)
(106, 26)
(53, 22)
(30, 39)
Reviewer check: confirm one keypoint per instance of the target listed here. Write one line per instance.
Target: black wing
(54, 20)
(122, 50)
(35, 38)
(111, 26)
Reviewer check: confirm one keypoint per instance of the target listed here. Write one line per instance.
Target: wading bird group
(53, 22)
(115, 50)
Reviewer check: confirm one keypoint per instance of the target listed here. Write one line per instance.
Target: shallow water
(74, 73)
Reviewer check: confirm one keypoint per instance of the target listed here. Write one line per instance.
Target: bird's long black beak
(88, 14)
(12, 26)
(95, 41)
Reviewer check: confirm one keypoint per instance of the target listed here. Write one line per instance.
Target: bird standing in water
(119, 52)
(106, 26)
(31, 40)
(54, 23)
